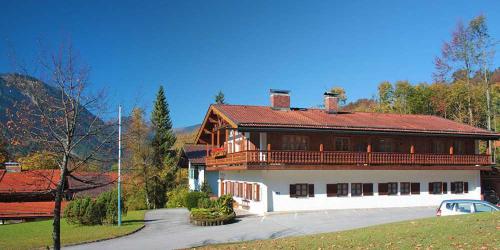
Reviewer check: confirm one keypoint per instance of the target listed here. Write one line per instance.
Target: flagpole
(119, 163)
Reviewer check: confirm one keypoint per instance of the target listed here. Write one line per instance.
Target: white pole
(119, 163)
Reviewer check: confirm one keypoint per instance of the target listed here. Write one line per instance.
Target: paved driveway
(170, 229)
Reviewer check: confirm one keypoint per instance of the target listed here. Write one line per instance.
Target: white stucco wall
(275, 188)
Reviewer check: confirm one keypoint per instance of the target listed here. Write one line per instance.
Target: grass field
(39, 234)
(477, 231)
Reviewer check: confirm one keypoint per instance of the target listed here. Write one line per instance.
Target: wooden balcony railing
(284, 157)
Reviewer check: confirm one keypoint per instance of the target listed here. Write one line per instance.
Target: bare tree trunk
(56, 224)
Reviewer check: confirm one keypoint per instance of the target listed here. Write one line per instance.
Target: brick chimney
(280, 99)
(331, 102)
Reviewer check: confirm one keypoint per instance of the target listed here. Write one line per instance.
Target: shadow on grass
(127, 222)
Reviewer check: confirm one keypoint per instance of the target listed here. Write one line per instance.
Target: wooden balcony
(283, 157)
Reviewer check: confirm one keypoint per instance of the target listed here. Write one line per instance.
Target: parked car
(456, 207)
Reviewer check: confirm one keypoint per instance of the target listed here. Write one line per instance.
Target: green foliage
(219, 98)
(205, 188)
(87, 211)
(163, 159)
(192, 198)
(206, 202)
(39, 160)
(177, 197)
(208, 210)
(225, 204)
(136, 198)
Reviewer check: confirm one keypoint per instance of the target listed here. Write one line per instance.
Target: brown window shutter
(430, 188)
(311, 190)
(331, 190)
(367, 189)
(415, 188)
(466, 187)
(445, 187)
(453, 188)
(383, 188)
(292, 190)
(257, 192)
(221, 187)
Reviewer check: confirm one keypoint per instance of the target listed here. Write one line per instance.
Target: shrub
(206, 202)
(87, 211)
(177, 197)
(192, 198)
(205, 188)
(225, 204)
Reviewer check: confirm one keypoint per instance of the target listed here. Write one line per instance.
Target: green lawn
(39, 234)
(477, 231)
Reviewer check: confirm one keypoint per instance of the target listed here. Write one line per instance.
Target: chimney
(331, 102)
(280, 99)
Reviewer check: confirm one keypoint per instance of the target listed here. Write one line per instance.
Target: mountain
(185, 135)
(18, 92)
(188, 129)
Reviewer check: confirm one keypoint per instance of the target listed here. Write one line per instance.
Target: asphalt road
(170, 228)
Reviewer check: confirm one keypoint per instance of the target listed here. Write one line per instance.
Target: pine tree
(162, 143)
(219, 98)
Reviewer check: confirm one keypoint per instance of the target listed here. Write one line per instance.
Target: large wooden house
(279, 158)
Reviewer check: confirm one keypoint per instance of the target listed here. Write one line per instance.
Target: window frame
(405, 188)
(342, 187)
(392, 188)
(412, 185)
(366, 192)
(358, 187)
(345, 144)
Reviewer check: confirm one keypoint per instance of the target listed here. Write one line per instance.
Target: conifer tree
(163, 140)
(219, 98)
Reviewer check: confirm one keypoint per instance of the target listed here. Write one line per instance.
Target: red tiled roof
(33, 181)
(195, 153)
(265, 116)
(20, 210)
(92, 184)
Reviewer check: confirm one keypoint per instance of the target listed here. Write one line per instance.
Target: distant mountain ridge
(188, 129)
(18, 90)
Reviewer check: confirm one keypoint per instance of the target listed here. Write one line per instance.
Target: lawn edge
(110, 238)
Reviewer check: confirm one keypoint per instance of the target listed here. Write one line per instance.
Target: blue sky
(244, 48)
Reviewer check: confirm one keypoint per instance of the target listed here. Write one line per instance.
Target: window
(361, 147)
(342, 144)
(248, 191)
(415, 188)
(256, 190)
(437, 188)
(438, 147)
(457, 187)
(459, 147)
(295, 142)
(385, 145)
(405, 188)
(478, 208)
(367, 189)
(464, 207)
(301, 190)
(392, 188)
(240, 189)
(383, 188)
(342, 189)
(356, 189)
(196, 173)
